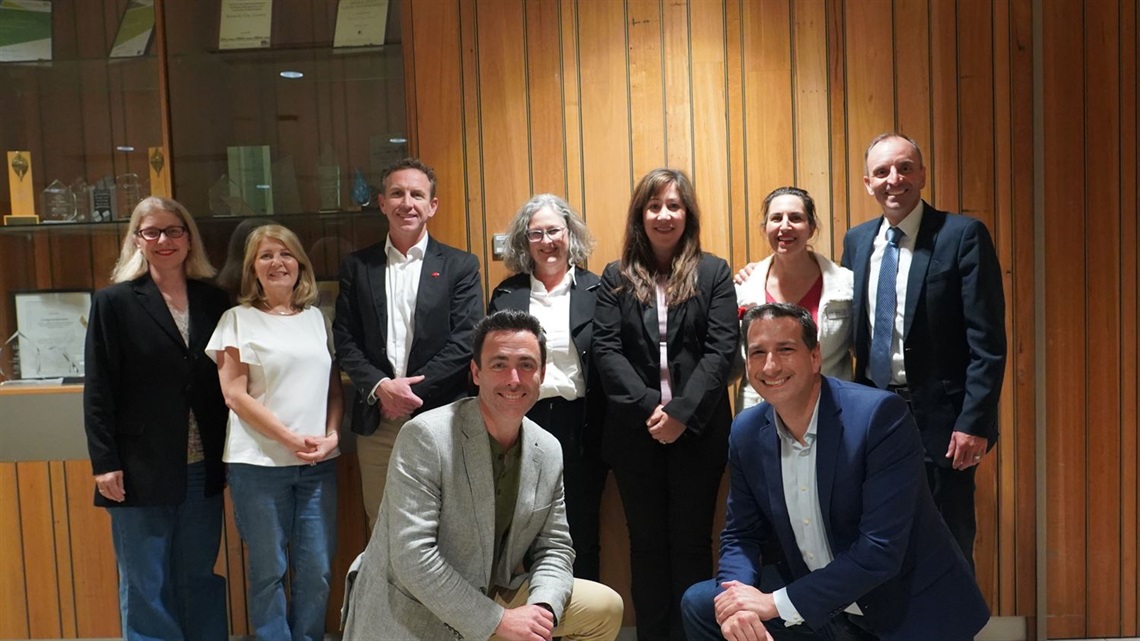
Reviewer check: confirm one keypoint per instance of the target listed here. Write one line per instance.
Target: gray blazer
(429, 566)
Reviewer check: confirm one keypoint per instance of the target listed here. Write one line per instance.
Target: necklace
(291, 312)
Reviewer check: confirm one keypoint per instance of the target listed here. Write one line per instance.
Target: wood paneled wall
(1090, 286)
(515, 97)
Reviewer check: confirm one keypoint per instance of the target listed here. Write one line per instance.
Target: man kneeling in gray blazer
(474, 492)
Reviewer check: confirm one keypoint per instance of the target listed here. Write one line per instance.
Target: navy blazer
(893, 555)
(448, 304)
(702, 340)
(514, 293)
(141, 382)
(954, 327)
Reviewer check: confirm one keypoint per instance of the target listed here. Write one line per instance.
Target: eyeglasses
(536, 235)
(152, 233)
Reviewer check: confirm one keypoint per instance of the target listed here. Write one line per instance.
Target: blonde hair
(132, 263)
(304, 290)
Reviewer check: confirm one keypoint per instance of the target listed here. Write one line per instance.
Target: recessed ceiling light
(292, 75)
(397, 141)
(126, 148)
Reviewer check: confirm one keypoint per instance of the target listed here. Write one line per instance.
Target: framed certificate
(51, 331)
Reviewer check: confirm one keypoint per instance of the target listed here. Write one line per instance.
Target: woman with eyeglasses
(665, 333)
(547, 247)
(275, 362)
(155, 421)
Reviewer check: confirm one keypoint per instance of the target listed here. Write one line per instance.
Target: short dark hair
(783, 310)
(508, 320)
(407, 163)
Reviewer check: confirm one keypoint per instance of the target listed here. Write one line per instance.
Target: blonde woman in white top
(274, 356)
(796, 274)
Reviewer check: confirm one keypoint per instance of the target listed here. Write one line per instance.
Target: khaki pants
(373, 453)
(593, 614)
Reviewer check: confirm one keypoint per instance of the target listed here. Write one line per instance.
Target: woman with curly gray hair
(547, 249)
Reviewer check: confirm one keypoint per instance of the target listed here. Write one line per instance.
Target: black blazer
(141, 383)
(448, 304)
(954, 328)
(702, 341)
(514, 293)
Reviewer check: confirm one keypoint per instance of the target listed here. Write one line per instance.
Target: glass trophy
(361, 192)
(130, 192)
(103, 201)
(58, 204)
(81, 192)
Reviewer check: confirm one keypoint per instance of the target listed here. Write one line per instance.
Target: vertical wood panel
(571, 85)
(93, 557)
(13, 601)
(647, 102)
(472, 135)
(1102, 163)
(1064, 200)
(232, 565)
(870, 94)
(40, 577)
(710, 128)
(844, 175)
(62, 541)
(505, 145)
(740, 217)
(912, 71)
(605, 123)
(768, 107)
(943, 154)
(812, 133)
(678, 86)
(544, 96)
(1129, 312)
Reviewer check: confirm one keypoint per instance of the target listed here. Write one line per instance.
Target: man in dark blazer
(945, 354)
(832, 472)
(403, 324)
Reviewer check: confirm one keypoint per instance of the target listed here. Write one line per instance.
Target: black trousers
(583, 476)
(953, 492)
(669, 495)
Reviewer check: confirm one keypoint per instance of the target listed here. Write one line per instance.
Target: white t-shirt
(289, 359)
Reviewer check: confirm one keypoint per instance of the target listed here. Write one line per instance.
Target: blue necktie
(885, 305)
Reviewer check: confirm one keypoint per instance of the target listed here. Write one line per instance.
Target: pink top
(810, 301)
(663, 329)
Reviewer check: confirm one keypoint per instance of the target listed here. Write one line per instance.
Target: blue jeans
(287, 517)
(165, 554)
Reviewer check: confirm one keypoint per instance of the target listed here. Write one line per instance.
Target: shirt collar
(416, 251)
(908, 225)
(536, 286)
(813, 425)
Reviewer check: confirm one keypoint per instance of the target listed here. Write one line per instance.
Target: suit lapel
(200, 328)
(477, 463)
(861, 265)
(432, 290)
(530, 475)
(920, 262)
(829, 434)
(378, 286)
(773, 476)
(512, 297)
(147, 294)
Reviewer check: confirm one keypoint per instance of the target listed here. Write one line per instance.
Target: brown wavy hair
(638, 265)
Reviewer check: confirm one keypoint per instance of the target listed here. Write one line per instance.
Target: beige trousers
(373, 453)
(593, 614)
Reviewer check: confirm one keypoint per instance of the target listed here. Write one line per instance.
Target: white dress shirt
(563, 368)
(909, 227)
(801, 495)
(402, 285)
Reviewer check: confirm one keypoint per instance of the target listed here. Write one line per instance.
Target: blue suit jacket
(893, 555)
(953, 330)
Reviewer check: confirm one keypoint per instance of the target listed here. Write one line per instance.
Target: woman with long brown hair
(665, 331)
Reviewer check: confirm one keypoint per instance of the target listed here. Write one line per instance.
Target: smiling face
(551, 252)
(787, 226)
(781, 367)
(164, 253)
(895, 177)
(509, 374)
(275, 266)
(665, 221)
(408, 204)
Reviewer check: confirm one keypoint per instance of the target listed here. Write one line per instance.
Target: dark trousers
(583, 476)
(700, 621)
(669, 500)
(953, 492)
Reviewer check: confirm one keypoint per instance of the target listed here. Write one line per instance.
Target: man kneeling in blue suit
(832, 474)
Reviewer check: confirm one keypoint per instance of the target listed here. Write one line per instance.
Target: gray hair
(579, 243)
